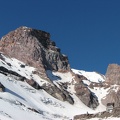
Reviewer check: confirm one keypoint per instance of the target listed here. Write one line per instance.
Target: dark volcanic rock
(34, 48)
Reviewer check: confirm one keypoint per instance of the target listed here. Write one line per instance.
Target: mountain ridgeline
(35, 76)
(34, 48)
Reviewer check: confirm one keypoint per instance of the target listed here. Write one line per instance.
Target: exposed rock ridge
(84, 94)
(34, 48)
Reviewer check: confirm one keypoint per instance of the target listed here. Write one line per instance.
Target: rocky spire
(113, 74)
(34, 48)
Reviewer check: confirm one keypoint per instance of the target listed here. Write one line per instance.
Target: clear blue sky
(88, 31)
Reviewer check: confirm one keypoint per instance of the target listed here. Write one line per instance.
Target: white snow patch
(91, 76)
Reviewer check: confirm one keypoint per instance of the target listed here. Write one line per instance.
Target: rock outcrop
(84, 94)
(113, 74)
(113, 96)
(100, 115)
(34, 48)
(60, 94)
(113, 80)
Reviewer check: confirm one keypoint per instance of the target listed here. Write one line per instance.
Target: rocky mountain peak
(34, 48)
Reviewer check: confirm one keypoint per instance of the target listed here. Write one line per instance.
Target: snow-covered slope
(94, 77)
(91, 76)
(20, 101)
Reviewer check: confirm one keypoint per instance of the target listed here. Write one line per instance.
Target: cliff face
(113, 81)
(34, 48)
(113, 74)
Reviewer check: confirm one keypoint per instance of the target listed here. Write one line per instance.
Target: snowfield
(91, 76)
(20, 101)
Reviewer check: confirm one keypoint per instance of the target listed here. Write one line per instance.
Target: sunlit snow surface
(92, 76)
(19, 98)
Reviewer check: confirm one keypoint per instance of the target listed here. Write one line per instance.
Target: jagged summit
(34, 48)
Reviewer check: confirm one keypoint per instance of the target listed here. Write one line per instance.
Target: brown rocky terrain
(113, 74)
(34, 48)
(113, 80)
(84, 94)
(112, 83)
(99, 116)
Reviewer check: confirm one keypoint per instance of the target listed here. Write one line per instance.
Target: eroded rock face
(60, 94)
(113, 80)
(113, 74)
(34, 48)
(84, 94)
(112, 97)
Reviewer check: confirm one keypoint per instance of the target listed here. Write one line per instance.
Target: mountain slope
(36, 81)
(25, 102)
